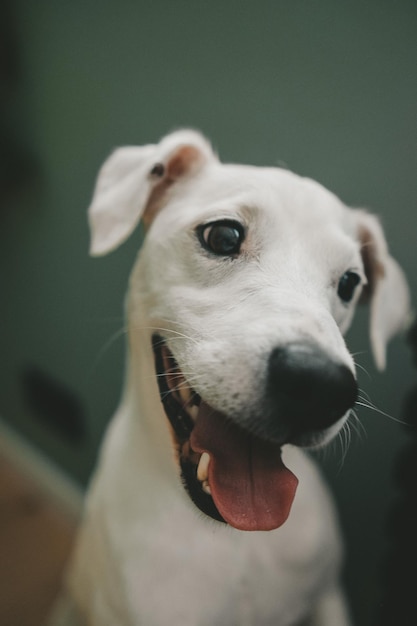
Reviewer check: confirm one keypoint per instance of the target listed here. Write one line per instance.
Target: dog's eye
(347, 285)
(222, 238)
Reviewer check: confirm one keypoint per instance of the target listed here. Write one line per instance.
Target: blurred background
(327, 88)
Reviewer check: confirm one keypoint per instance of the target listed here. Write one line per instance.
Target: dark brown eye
(222, 238)
(347, 286)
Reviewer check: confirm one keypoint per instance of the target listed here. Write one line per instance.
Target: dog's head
(251, 276)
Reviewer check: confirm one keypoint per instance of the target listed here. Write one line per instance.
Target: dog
(205, 508)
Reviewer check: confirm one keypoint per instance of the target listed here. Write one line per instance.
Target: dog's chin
(231, 474)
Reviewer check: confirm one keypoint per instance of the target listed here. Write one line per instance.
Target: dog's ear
(387, 291)
(133, 184)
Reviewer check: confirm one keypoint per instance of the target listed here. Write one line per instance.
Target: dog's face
(249, 278)
(246, 262)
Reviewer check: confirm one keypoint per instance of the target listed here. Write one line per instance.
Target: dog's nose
(307, 390)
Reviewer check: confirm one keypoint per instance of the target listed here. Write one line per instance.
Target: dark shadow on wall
(18, 166)
(398, 572)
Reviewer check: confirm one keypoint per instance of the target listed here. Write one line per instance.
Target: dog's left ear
(134, 181)
(386, 291)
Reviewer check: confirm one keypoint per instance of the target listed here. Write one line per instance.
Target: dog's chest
(205, 574)
(167, 564)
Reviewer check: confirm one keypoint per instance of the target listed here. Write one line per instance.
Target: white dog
(246, 282)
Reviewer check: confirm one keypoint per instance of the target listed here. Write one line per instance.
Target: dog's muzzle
(233, 471)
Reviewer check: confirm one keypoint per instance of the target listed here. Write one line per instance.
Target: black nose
(307, 391)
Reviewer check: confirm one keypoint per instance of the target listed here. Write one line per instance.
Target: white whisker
(363, 402)
(160, 329)
(357, 426)
(107, 345)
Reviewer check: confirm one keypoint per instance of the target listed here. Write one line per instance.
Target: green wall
(328, 87)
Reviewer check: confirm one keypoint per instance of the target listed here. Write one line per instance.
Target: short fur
(145, 555)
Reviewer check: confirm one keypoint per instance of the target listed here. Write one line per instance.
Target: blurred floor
(35, 541)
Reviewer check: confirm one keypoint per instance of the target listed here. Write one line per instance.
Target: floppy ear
(387, 289)
(133, 182)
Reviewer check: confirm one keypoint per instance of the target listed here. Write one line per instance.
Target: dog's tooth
(202, 469)
(193, 412)
(206, 487)
(184, 393)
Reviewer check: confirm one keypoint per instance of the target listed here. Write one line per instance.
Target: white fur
(146, 556)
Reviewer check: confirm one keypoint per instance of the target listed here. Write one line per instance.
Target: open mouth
(231, 475)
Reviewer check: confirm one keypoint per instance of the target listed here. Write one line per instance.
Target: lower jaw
(182, 425)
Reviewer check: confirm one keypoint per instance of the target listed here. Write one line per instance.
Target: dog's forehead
(268, 195)
(295, 228)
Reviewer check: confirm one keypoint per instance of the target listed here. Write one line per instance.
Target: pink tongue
(251, 487)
